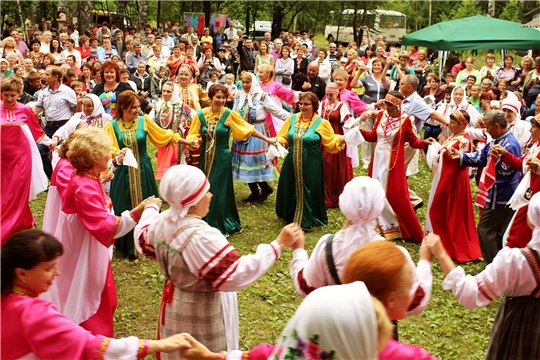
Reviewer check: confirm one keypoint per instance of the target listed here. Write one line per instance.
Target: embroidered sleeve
(144, 234)
(282, 136)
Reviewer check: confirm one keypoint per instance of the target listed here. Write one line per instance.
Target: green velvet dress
(216, 163)
(130, 186)
(300, 195)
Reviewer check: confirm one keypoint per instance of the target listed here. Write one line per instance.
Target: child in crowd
(231, 90)
(214, 76)
(475, 96)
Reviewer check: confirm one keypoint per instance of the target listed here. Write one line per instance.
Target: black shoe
(418, 206)
(252, 197)
(266, 190)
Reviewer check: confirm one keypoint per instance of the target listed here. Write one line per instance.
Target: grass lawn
(445, 328)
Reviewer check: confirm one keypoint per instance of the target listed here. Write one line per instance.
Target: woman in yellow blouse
(132, 185)
(300, 195)
(212, 127)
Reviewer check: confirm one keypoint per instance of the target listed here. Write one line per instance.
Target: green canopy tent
(475, 32)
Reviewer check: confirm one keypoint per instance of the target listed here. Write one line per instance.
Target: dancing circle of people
(303, 132)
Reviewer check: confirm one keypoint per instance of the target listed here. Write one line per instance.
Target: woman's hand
(273, 141)
(170, 344)
(435, 246)
(152, 200)
(289, 235)
(534, 165)
(453, 154)
(107, 175)
(498, 150)
(197, 351)
(193, 144)
(429, 141)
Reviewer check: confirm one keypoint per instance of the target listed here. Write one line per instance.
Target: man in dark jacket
(248, 55)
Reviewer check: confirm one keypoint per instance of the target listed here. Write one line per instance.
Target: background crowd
(83, 108)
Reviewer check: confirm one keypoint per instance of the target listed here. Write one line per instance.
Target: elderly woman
(249, 157)
(4, 69)
(279, 94)
(300, 197)
(111, 88)
(22, 175)
(531, 84)
(87, 227)
(169, 113)
(212, 128)
(392, 129)
(199, 263)
(131, 185)
(450, 212)
(29, 266)
(514, 273)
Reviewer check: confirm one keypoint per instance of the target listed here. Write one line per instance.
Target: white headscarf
(182, 186)
(533, 214)
(175, 98)
(462, 105)
(362, 202)
(338, 319)
(513, 105)
(253, 91)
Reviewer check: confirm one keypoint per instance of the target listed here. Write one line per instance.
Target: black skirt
(516, 331)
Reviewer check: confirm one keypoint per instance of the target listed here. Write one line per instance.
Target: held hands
(175, 342)
(273, 141)
(152, 200)
(197, 351)
(435, 246)
(289, 235)
(429, 141)
(498, 150)
(306, 85)
(453, 154)
(193, 144)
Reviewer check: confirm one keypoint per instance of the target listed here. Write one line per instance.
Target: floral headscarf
(333, 322)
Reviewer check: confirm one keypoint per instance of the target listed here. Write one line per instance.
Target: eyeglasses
(304, 104)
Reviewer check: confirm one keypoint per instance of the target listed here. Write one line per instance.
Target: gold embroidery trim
(103, 348)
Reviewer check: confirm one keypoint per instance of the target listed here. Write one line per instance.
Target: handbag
(286, 80)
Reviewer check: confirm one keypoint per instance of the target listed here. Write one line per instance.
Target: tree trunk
(207, 9)
(277, 19)
(35, 11)
(158, 13)
(143, 11)
(118, 19)
(85, 18)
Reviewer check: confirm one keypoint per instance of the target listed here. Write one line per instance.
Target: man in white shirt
(305, 40)
(73, 34)
(231, 32)
(168, 41)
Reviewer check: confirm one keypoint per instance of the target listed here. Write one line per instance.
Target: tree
(85, 18)
(143, 12)
(511, 12)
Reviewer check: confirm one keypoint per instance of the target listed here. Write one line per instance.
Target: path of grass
(445, 329)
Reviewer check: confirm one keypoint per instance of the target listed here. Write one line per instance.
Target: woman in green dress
(300, 195)
(132, 185)
(212, 127)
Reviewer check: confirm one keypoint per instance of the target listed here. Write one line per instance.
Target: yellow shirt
(330, 140)
(240, 129)
(157, 135)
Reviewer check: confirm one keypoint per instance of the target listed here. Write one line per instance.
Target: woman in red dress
(519, 233)
(450, 212)
(337, 167)
(392, 129)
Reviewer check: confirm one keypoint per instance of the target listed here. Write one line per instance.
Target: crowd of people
(79, 110)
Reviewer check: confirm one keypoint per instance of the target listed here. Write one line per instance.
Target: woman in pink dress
(450, 212)
(87, 228)
(337, 167)
(22, 175)
(32, 328)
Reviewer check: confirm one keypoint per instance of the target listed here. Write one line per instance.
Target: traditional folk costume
(515, 273)
(132, 185)
(249, 156)
(192, 96)
(213, 130)
(22, 175)
(198, 263)
(520, 129)
(337, 167)
(450, 213)
(388, 166)
(87, 228)
(355, 107)
(171, 115)
(518, 232)
(300, 197)
(32, 328)
(283, 97)
(362, 202)
(496, 187)
(53, 207)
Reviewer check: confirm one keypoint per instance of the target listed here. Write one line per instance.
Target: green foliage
(465, 9)
(511, 11)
